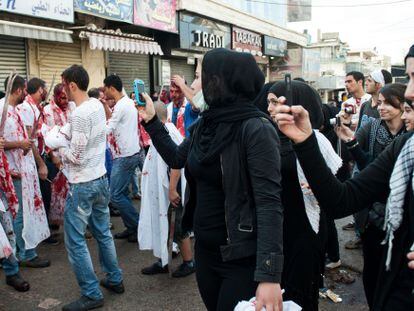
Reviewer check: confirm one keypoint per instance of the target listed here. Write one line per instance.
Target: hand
(292, 121)
(148, 113)
(269, 296)
(345, 117)
(26, 145)
(2, 143)
(411, 262)
(179, 81)
(174, 197)
(344, 132)
(42, 170)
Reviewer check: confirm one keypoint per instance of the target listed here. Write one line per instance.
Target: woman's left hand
(269, 296)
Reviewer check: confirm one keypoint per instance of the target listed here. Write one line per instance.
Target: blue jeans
(135, 183)
(10, 265)
(108, 163)
(87, 204)
(122, 171)
(22, 253)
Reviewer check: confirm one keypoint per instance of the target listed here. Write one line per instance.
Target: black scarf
(303, 95)
(231, 81)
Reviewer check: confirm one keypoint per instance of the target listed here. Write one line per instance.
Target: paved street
(55, 286)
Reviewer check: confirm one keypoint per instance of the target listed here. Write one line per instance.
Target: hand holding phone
(139, 89)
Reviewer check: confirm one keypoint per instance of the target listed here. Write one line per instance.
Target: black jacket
(252, 186)
(369, 186)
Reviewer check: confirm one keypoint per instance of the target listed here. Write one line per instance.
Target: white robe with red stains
(153, 220)
(35, 225)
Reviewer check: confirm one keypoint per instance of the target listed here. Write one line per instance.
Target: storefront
(197, 35)
(19, 35)
(250, 42)
(13, 56)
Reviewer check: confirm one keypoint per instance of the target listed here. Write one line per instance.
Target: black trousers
(223, 284)
(332, 244)
(372, 251)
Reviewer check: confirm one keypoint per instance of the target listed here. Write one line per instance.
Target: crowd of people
(258, 172)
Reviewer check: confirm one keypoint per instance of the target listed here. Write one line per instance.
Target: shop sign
(160, 15)
(274, 46)
(201, 34)
(119, 10)
(247, 41)
(61, 10)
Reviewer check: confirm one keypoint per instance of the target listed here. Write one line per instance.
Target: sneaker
(17, 282)
(116, 288)
(83, 304)
(353, 244)
(122, 235)
(184, 270)
(349, 227)
(333, 264)
(35, 263)
(155, 268)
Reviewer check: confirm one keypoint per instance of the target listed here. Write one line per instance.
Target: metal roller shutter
(130, 67)
(12, 56)
(55, 57)
(181, 68)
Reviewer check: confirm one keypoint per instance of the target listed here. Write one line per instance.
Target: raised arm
(339, 199)
(174, 155)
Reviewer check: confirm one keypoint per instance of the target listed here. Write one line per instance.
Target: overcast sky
(389, 28)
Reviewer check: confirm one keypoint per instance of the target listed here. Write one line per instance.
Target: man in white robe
(159, 192)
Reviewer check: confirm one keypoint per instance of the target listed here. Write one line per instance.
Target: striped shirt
(85, 156)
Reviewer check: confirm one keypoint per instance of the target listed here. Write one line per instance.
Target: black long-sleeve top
(253, 160)
(371, 185)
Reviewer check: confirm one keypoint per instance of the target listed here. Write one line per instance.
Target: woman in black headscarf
(303, 244)
(233, 172)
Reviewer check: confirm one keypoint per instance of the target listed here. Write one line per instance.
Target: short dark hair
(394, 94)
(78, 75)
(358, 76)
(34, 85)
(115, 81)
(387, 76)
(19, 83)
(94, 92)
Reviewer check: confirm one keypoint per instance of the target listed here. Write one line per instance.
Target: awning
(116, 41)
(35, 32)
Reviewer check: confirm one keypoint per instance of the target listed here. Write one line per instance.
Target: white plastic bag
(250, 306)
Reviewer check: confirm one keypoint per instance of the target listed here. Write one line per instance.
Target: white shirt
(86, 153)
(27, 113)
(123, 125)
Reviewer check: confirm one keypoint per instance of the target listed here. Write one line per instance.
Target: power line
(328, 5)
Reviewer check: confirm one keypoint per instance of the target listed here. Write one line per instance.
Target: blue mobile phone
(139, 88)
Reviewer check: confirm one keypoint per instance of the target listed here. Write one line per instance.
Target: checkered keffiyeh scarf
(400, 177)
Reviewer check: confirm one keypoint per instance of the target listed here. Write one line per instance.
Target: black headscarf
(230, 81)
(303, 95)
(261, 99)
